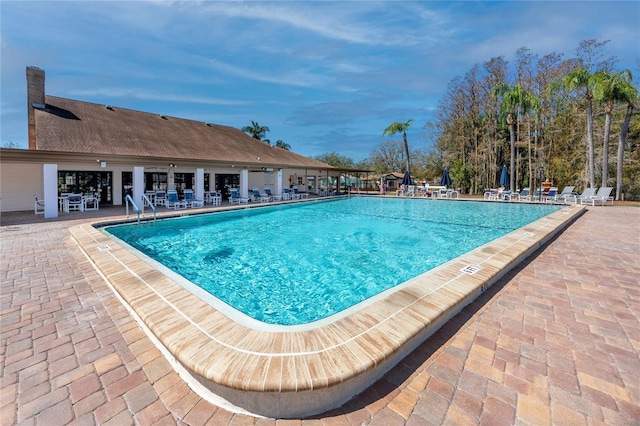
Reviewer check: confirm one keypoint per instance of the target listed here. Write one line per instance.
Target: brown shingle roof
(81, 127)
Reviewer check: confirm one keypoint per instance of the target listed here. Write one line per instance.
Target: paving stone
(556, 343)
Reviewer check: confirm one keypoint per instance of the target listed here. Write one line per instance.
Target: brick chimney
(35, 100)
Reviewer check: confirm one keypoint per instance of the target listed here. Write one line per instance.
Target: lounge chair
(173, 201)
(523, 195)
(275, 197)
(601, 198)
(286, 194)
(235, 197)
(299, 195)
(577, 199)
(551, 195)
(191, 200)
(261, 198)
(39, 205)
(566, 191)
(295, 195)
(537, 196)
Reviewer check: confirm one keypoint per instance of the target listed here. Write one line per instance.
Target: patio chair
(235, 197)
(261, 198)
(551, 195)
(173, 201)
(39, 205)
(286, 194)
(75, 203)
(602, 197)
(577, 199)
(91, 203)
(274, 197)
(161, 198)
(299, 195)
(191, 200)
(566, 191)
(523, 195)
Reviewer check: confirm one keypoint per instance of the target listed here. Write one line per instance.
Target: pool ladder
(129, 199)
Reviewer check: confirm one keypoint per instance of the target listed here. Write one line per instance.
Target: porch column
(278, 188)
(199, 189)
(50, 190)
(244, 183)
(138, 187)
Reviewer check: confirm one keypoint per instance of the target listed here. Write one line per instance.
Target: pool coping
(284, 374)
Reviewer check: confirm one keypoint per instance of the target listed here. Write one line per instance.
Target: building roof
(81, 127)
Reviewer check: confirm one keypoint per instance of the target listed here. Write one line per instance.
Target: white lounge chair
(523, 195)
(286, 194)
(577, 199)
(190, 199)
(601, 198)
(261, 198)
(551, 195)
(173, 201)
(299, 195)
(566, 192)
(274, 197)
(235, 197)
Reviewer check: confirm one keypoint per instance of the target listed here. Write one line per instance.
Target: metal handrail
(128, 200)
(145, 198)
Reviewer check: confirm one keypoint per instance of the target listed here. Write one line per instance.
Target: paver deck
(555, 341)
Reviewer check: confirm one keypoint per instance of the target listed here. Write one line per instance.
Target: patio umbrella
(446, 179)
(504, 177)
(406, 179)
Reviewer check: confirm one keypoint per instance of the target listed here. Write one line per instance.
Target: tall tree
(256, 131)
(608, 90)
(581, 79)
(630, 94)
(398, 127)
(515, 104)
(386, 156)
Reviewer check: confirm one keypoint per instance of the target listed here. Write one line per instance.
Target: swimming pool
(299, 371)
(299, 263)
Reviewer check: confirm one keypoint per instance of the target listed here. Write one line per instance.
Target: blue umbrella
(406, 179)
(446, 179)
(504, 177)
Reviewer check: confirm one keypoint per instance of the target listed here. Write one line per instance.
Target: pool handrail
(145, 198)
(128, 200)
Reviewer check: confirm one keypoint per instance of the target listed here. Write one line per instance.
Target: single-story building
(112, 152)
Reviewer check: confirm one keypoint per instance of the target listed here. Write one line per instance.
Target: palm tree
(577, 80)
(398, 127)
(609, 89)
(256, 131)
(516, 102)
(629, 94)
(282, 144)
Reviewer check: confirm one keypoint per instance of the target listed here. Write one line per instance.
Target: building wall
(18, 183)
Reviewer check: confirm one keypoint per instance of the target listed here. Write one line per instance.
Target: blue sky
(323, 76)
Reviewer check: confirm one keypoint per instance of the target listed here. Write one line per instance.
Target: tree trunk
(623, 137)
(592, 180)
(605, 145)
(406, 151)
(512, 137)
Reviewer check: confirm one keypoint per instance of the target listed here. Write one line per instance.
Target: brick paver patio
(556, 341)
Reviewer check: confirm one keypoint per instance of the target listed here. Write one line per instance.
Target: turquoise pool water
(298, 263)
